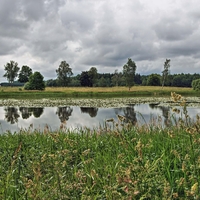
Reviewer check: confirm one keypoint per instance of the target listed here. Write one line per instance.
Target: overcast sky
(101, 34)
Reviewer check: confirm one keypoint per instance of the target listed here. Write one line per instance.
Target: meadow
(103, 92)
(127, 162)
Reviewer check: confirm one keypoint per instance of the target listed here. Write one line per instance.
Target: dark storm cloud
(102, 34)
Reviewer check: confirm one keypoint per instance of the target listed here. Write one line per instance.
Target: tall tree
(64, 72)
(129, 72)
(24, 74)
(165, 72)
(93, 75)
(11, 71)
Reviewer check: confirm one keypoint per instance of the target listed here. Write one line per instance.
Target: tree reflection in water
(37, 112)
(165, 112)
(25, 112)
(11, 114)
(92, 111)
(128, 113)
(64, 113)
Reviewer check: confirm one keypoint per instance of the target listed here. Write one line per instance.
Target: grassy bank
(133, 163)
(16, 92)
(129, 162)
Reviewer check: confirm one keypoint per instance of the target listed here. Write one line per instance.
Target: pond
(14, 118)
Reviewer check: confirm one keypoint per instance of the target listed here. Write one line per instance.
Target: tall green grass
(128, 162)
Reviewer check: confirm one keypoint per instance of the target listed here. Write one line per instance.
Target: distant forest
(113, 79)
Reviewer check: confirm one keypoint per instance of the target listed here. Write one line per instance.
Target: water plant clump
(128, 162)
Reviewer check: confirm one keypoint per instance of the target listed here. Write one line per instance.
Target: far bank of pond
(97, 102)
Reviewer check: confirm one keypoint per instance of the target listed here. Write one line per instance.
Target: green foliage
(93, 75)
(64, 72)
(196, 84)
(154, 80)
(24, 74)
(36, 82)
(116, 78)
(85, 79)
(102, 82)
(11, 71)
(165, 72)
(129, 72)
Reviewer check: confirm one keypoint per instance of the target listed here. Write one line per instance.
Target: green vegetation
(127, 162)
(58, 92)
(35, 82)
(11, 70)
(196, 84)
(129, 73)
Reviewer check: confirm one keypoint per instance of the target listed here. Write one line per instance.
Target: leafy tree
(129, 72)
(116, 78)
(36, 82)
(196, 84)
(11, 71)
(64, 72)
(24, 74)
(75, 81)
(102, 82)
(154, 80)
(51, 83)
(165, 72)
(85, 79)
(138, 79)
(93, 75)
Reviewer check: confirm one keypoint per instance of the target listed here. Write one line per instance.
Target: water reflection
(165, 113)
(64, 113)
(90, 110)
(37, 112)
(11, 114)
(15, 118)
(25, 112)
(128, 112)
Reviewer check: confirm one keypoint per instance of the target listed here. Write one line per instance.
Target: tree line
(91, 78)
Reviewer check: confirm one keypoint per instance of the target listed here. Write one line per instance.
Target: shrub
(36, 82)
(196, 84)
(154, 80)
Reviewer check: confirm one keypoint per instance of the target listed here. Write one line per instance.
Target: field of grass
(128, 162)
(17, 92)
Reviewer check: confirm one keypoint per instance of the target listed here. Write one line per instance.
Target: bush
(36, 82)
(154, 80)
(196, 84)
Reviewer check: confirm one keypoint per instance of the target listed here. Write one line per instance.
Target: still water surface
(15, 118)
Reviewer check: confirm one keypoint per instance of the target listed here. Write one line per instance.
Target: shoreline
(98, 102)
